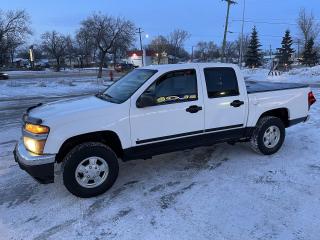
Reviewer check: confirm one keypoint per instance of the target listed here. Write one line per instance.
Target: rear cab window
(221, 82)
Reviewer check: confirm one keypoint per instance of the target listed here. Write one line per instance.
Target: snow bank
(298, 75)
(62, 71)
(49, 86)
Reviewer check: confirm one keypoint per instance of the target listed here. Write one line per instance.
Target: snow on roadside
(48, 86)
(298, 75)
(67, 70)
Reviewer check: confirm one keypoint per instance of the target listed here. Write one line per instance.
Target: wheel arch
(108, 138)
(282, 113)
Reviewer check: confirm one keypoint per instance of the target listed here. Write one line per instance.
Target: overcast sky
(204, 19)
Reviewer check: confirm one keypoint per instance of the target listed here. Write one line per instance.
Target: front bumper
(40, 167)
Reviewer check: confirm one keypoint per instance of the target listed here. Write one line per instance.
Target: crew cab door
(225, 101)
(177, 112)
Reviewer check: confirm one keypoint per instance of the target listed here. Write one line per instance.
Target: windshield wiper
(106, 97)
(101, 96)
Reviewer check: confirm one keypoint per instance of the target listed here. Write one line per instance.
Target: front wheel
(90, 169)
(268, 135)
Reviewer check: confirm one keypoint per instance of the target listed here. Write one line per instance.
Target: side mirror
(145, 100)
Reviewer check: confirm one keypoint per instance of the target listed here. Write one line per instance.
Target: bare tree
(14, 29)
(54, 44)
(160, 46)
(201, 51)
(206, 51)
(23, 52)
(107, 32)
(12, 43)
(85, 46)
(231, 51)
(308, 26)
(245, 44)
(119, 49)
(177, 39)
(70, 49)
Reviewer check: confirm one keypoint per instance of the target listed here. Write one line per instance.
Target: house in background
(150, 58)
(20, 62)
(135, 57)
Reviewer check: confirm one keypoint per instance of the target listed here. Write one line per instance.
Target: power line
(265, 22)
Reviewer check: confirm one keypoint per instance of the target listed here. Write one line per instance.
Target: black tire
(76, 156)
(257, 138)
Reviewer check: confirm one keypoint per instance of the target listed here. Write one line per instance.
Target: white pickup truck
(154, 110)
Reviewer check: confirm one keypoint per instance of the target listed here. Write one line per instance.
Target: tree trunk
(12, 56)
(103, 55)
(114, 58)
(58, 64)
(87, 61)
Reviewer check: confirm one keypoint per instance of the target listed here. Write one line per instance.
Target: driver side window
(175, 87)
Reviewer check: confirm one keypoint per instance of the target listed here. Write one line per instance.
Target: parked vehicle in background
(124, 67)
(155, 110)
(4, 76)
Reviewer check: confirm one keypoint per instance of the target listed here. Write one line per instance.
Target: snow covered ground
(47, 70)
(297, 75)
(217, 192)
(47, 86)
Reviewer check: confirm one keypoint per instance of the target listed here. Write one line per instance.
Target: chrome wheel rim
(92, 172)
(271, 136)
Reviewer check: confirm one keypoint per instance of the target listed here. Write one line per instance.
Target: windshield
(123, 89)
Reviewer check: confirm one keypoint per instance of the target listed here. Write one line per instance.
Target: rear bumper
(40, 167)
(298, 120)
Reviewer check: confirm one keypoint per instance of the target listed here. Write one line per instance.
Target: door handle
(236, 103)
(194, 109)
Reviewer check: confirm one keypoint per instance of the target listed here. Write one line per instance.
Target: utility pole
(192, 54)
(140, 32)
(229, 3)
(270, 52)
(242, 28)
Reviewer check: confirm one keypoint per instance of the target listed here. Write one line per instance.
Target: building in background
(135, 57)
(150, 58)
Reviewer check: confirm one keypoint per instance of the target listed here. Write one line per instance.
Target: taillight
(311, 99)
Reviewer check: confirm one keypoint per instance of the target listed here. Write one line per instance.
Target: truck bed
(258, 86)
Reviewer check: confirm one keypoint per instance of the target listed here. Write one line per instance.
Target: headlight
(33, 145)
(36, 129)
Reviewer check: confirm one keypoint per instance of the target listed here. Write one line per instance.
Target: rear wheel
(90, 169)
(268, 135)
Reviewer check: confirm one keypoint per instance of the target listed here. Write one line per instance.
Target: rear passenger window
(221, 82)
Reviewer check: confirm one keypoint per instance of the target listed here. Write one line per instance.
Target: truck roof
(187, 65)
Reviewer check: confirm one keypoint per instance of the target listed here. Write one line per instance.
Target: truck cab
(155, 110)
